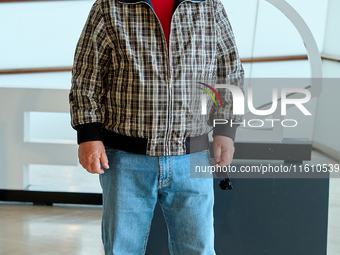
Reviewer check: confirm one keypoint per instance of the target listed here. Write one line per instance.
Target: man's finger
(85, 165)
(88, 168)
(217, 154)
(95, 167)
(214, 161)
(226, 158)
(104, 160)
(224, 161)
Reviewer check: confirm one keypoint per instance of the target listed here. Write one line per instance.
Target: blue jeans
(131, 188)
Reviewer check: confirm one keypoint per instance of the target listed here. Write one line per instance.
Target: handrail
(36, 70)
(67, 69)
(243, 60)
(15, 1)
(330, 57)
(274, 59)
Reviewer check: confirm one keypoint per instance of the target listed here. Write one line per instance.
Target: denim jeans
(131, 188)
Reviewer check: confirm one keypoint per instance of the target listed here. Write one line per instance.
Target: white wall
(40, 34)
(261, 30)
(327, 122)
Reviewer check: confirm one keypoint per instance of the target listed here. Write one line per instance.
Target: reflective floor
(60, 229)
(64, 229)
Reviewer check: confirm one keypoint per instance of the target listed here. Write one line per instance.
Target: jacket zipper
(168, 77)
(169, 82)
(168, 133)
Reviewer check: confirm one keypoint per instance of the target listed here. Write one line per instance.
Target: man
(131, 104)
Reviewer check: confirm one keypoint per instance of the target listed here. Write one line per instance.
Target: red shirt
(163, 10)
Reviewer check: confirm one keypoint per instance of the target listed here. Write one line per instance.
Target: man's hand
(90, 155)
(223, 150)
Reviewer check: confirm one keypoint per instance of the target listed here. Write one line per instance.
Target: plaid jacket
(128, 90)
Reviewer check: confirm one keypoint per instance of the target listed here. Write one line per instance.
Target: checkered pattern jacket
(125, 80)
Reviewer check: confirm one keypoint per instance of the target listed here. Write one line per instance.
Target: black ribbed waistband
(139, 145)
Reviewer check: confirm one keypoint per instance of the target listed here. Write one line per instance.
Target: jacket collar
(149, 2)
(135, 1)
(177, 2)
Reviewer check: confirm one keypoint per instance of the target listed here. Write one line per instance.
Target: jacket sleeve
(89, 77)
(229, 71)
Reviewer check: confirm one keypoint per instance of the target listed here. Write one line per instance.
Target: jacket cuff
(89, 132)
(225, 130)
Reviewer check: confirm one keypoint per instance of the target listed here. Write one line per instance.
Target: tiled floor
(75, 230)
(49, 230)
